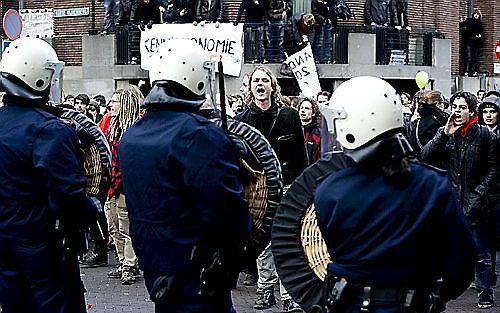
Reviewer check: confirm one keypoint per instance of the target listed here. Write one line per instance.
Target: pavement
(108, 295)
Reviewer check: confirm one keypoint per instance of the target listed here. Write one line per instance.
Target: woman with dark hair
(473, 38)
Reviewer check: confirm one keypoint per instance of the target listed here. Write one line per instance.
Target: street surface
(108, 295)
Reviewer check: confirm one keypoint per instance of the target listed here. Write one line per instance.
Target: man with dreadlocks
(125, 110)
(188, 217)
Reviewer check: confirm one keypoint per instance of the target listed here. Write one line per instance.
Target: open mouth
(260, 89)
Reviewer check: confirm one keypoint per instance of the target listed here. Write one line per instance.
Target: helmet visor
(56, 84)
(329, 141)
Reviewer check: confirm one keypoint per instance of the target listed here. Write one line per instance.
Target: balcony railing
(393, 46)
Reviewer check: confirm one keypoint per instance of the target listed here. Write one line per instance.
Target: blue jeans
(254, 43)
(275, 35)
(111, 14)
(483, 274)
(323, 43)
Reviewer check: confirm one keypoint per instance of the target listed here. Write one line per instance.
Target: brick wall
(424, 15)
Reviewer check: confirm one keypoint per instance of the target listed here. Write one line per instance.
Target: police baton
(222, 95)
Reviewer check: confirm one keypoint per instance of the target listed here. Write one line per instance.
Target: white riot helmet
(182, 61)
(29, 68)
(362, 109)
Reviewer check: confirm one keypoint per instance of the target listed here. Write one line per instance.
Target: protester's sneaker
(291, 306)
(485, 300)
(115, 272)
(128, 275)
(266, 300)
(94, 259)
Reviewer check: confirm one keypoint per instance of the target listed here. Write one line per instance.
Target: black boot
(266, 300)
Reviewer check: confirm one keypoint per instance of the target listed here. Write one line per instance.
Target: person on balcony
(180, 11)
(145, 13)
(322, 46)
(253, 29)
(111, 16)
(275, 16)
(473, 38)
(377, 12)
(209, 11)
(303, 28)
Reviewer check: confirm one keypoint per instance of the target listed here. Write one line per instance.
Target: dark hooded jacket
(282, 127)
(422, 130)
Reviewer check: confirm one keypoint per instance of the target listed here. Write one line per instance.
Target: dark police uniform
(41, 180)
(180, 177)
(394, 236)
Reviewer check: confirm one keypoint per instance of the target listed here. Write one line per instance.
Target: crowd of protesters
(459, 135)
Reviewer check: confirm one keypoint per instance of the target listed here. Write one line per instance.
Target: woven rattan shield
(263, 183)
(95, 150)
(299, 250)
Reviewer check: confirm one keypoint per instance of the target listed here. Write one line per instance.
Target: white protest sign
(37, 23)
(304, 69)
(225, 41)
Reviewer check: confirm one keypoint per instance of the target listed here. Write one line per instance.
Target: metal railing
(393, 46)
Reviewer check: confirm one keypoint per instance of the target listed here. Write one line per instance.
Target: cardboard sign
(225, 41)
(38, 23)
(304, 69)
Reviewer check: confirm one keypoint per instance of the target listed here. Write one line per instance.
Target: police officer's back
(394, 228)
(180, 178)
(42, 195)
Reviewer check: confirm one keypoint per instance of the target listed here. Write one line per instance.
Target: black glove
(150, 24)
(142, 26)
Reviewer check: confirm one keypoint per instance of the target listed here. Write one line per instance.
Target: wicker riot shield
(96, 152)
(263, 183)
(299, 250)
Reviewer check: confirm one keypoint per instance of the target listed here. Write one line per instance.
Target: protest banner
(304, 69)
(225, 41)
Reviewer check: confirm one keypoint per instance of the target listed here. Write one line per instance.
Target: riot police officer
(42, 195)
(188, 218)
(393, 227)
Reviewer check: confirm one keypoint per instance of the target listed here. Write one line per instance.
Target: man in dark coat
(188, 217)
(471, 152)
(393, 227)
(282, 127)
(42, 188)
